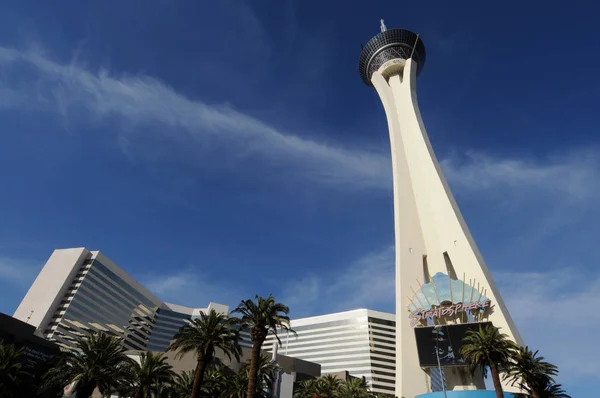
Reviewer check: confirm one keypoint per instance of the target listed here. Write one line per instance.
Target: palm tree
(11, 372)
(203, 336)
(215, 380)
(152, 372)
(329, 386)
(264, 375)
(530, 372)
(552, 390)
(307, 389)
(239, 386)
(354, 388)
(184, 384)
(166, 391)
(485, 348)
(98, 361)
(261, 317)
(40, 386)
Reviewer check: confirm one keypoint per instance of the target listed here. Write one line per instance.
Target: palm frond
(98, 360)
(530, 372)
(263, 316)
(204, 334)
(12, 376)
(485, 346)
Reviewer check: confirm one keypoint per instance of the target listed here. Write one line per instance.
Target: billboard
(38, 351)
(447, 340)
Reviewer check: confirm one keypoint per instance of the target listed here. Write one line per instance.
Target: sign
(444, 343)
(395, 61)
(419, 315)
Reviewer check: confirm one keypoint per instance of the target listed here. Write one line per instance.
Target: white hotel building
(362, 342)
(80, 292)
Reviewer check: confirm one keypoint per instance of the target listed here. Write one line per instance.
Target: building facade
(78, 292)
(361, 342)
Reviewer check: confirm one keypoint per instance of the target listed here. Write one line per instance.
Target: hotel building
(361, 342)
(79, 292)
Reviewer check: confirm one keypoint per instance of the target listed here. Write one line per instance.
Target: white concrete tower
(431, 235)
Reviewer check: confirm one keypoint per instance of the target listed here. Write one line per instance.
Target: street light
(437, 332)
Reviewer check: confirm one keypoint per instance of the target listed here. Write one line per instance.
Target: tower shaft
(431, 235)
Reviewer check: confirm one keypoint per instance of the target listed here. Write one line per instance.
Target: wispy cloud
(555, 312)
(168, 284)
(30, 79)
(367, 282)
(574, 175)
(16, 275)
(541, 202)
(146, 109)
(194, 288)
(14, 271)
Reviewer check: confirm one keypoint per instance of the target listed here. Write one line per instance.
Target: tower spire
(383, 27)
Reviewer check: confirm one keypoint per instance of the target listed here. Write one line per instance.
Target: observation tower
(441, 277)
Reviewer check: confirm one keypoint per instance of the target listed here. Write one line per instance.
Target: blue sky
(220, 149)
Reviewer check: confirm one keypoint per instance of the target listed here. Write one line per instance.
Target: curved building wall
(89, 293)
(166, 325)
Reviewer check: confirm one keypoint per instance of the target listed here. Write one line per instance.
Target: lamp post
(437, 333)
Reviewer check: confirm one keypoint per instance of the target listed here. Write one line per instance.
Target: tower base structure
(441, 277)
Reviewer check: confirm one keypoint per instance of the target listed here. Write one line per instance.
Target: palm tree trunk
(199, 375)
(535, 394)
(139, 393)
(254, 361)
(496, 380)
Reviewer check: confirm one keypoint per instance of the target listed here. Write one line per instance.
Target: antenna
(413, 49)
(383, 28)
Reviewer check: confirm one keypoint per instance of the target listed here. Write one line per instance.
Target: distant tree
(329, 386)
(261, 316)
(307, 389)
(488, 348)
(354, 388)
(203, 336)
